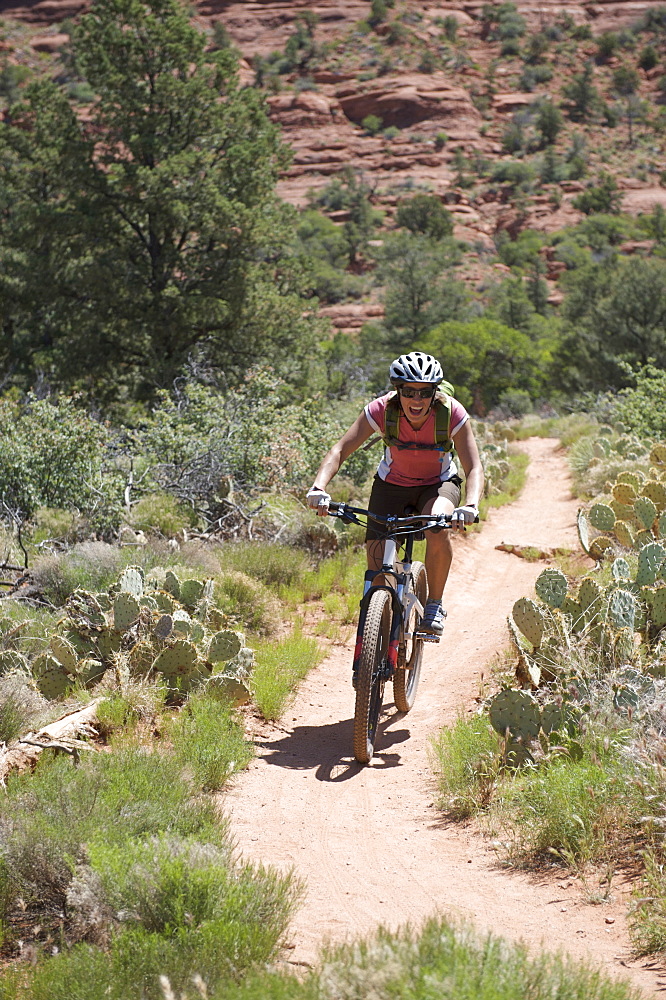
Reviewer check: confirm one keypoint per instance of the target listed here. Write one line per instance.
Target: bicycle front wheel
(370, 680)
(406, 677)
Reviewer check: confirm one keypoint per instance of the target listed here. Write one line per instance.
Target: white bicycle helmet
(416, 367)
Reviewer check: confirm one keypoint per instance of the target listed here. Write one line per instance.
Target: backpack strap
(441, 441)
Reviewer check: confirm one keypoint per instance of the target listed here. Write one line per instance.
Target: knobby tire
(406, 677)
(370, 681)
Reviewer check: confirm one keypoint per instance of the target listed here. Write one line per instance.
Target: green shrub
(53, 455)
(603, 197)
(208, 739)
(424, 213)
(162, 513)
(248, 600)
(372, 124)
(87, 566)
(274, 564)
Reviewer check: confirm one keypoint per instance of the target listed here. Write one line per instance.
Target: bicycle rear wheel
(406, 677)
(370, 680)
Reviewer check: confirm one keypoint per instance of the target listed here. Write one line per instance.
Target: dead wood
(62, 735)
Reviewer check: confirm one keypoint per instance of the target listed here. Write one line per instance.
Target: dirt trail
(368, 841)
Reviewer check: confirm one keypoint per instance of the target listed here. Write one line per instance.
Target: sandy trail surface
(369, 842)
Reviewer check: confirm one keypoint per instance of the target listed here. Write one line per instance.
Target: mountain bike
(389, 640)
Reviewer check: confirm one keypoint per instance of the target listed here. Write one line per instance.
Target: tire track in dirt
(367, 841)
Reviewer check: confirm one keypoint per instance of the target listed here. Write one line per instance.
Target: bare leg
(375, 554)
(439, 553)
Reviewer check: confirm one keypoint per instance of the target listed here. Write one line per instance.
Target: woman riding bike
(420, 423)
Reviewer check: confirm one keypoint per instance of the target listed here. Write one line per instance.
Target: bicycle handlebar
(395, 525)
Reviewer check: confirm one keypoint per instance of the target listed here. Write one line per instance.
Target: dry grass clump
(87, 566)
(22, 708)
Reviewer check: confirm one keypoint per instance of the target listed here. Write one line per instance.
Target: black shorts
(387, 498)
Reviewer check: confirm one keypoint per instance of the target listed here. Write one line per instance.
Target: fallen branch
(61, 735)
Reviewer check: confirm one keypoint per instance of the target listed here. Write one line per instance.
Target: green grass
(581, 803)
(511, 487)
(467, 763)
(442, 959)
(280, 666)
(207, 737)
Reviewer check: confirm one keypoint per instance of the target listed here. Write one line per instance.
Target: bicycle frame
(407, 527)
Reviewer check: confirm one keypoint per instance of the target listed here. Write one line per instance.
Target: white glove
(464, 515)
(318, 499)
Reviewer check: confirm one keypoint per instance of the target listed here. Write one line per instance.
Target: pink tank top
(406, 467)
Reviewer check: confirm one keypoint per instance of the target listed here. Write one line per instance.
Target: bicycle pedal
(427, 636)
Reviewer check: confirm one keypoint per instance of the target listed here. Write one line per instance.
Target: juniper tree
(149, 231)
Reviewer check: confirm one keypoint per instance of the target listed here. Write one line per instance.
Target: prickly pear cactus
(620, 569)
(658, 606)
(228, 689)
(191, 591)
(131, 581)
(624, 534)
(584, 530)
(163, 627)
(601, 517)
(177, 661)
(600, 547)
(64, 652)
(646, 511)
(515, 711)
(172, 584)
(11, 659)
(224, 646)
(622, 609)
(624, 492)
(551, 586)
(650, 559)
(655, 491)
(126, 610)
(181, 621)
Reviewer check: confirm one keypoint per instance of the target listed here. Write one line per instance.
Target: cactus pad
(622, 609)
(602, 517)
(624, 492)
(656, 492)
(131, 581)
(583, 530)
(64, 653)
(181, 621)
(600, 547)
(163, 628)
(172, 584)
(658, 606)
(191, 591)
(620, 569)
(90, 671)
(224, 646)
(516, 711)
(646, 511)
(624, 534)
(228, 689)
(126, 610)
(11, 659)
(551, 586)
(53, 683)
(589, 594)
(179, 660)
(650, 559)
(658, 453)
(642, 538)
(242, 663)
(165, 602)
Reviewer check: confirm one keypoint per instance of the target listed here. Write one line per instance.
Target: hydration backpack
(441, 441)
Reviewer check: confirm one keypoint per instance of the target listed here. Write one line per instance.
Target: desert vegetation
(169, 378)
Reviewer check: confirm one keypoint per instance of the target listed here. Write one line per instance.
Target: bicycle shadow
(327, 749)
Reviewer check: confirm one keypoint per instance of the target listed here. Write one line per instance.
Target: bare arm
(468, 453)
(358, 433)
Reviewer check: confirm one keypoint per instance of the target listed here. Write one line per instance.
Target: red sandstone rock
(407, 100)
(48, 43)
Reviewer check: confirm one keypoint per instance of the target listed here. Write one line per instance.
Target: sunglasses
(416, 393)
